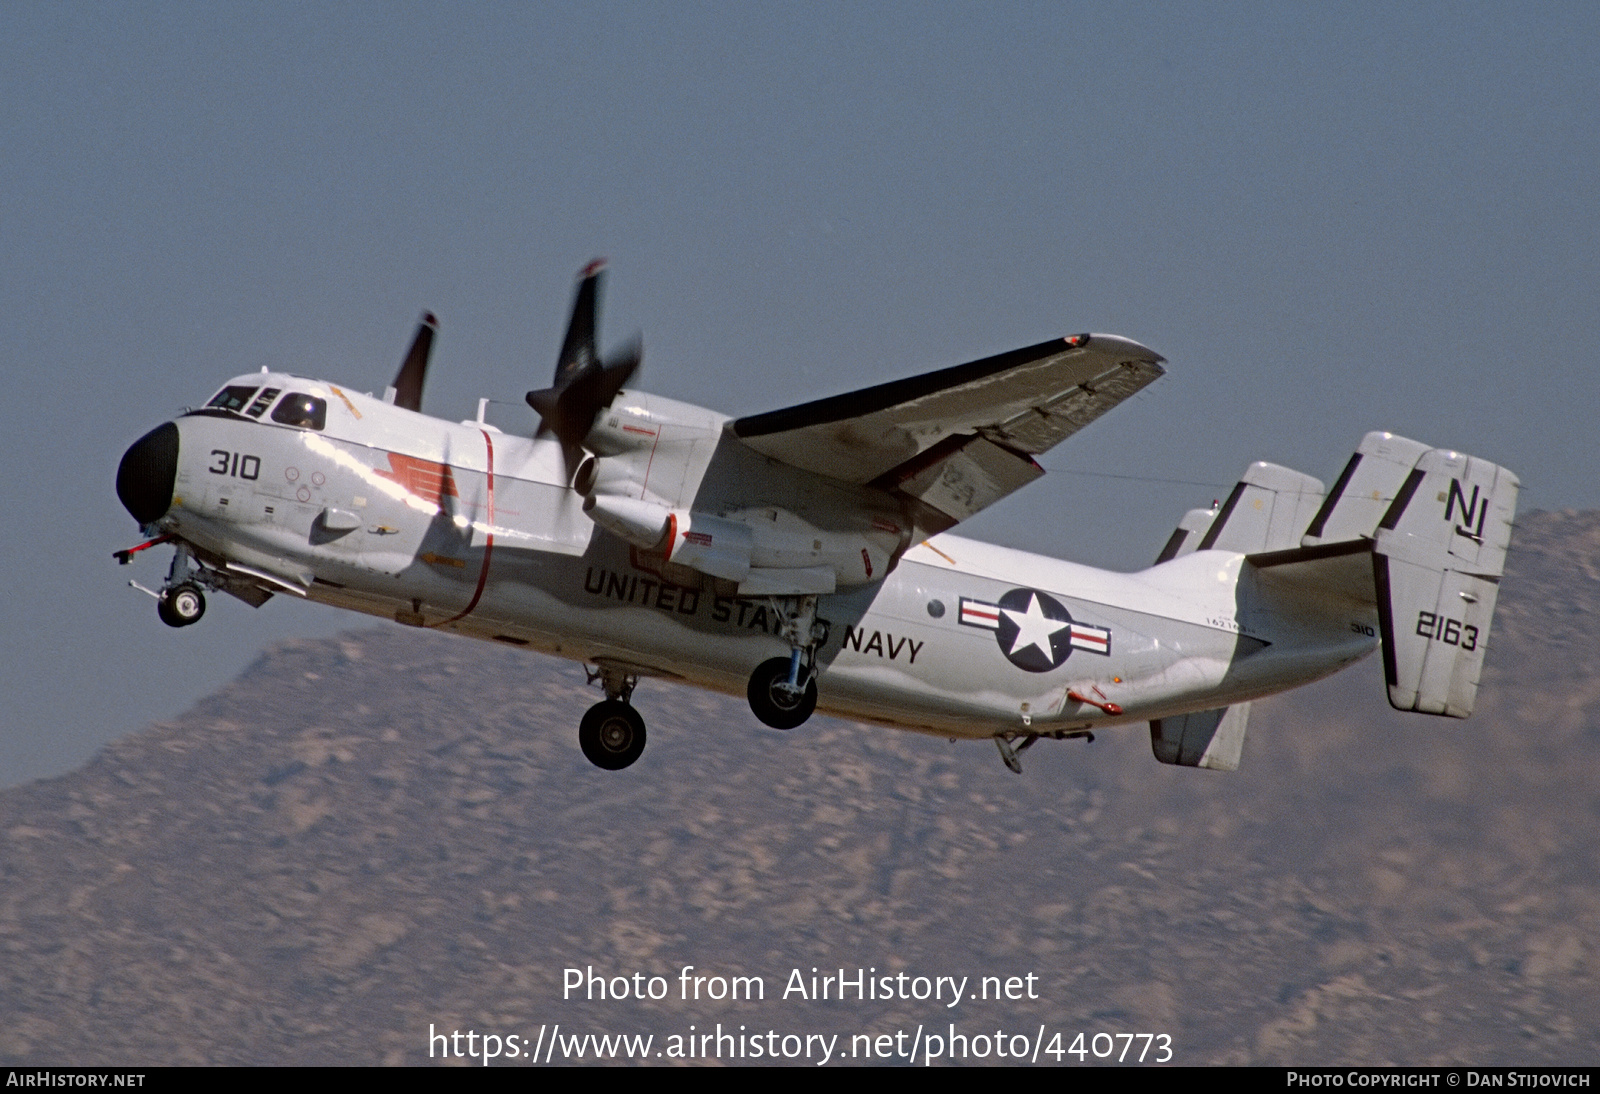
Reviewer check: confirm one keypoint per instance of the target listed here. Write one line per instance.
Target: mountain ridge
(365, 838)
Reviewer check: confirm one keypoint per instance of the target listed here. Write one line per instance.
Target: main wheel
(611, 735)
(773, 702)
(181, 606)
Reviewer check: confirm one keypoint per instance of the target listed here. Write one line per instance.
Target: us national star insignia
(1033, 629)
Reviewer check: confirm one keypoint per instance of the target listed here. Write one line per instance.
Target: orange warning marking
(426, 479)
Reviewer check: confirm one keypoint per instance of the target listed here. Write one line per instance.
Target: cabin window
(303, 411)
(232, 398)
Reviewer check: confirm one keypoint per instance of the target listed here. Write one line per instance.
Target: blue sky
(1329, 218)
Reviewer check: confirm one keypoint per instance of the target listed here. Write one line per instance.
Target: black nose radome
(147, 473)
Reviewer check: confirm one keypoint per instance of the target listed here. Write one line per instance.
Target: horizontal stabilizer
(1437, 560)
(1339, 571)
(1203, 738)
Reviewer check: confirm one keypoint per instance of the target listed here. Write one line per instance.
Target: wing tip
(1128, 345)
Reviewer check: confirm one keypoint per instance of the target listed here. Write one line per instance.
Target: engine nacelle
(793, 553)
(767, 551)
(640, 485)
(642, 523)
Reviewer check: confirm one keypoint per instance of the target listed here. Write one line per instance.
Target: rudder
(1438, 554)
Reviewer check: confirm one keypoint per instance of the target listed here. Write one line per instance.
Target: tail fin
(1365, 489)
(1436, 524)
(1187, 536)
(1205, 738)
(1267, 511)
(1438, 554)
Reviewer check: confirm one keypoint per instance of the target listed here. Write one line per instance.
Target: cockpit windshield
(263, 401)
(295, 408)
(232, 398)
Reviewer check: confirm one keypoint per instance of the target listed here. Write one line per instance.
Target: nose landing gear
(180, 602)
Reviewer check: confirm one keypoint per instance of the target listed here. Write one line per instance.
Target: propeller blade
(568, 410)
(616, 372)
(408, 381)
(577, 348)
(584, 384)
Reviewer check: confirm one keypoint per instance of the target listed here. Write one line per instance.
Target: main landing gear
(783, 690)
(612, 733)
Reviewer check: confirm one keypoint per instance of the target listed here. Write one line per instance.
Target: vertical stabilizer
(1438, 555)
(1187, 536)
(1365, 489)
(1267, 511)
(1204, 738)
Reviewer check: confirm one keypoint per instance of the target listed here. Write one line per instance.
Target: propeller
(584, 384)
(408, 381)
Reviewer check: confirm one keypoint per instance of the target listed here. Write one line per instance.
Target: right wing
(959, 439)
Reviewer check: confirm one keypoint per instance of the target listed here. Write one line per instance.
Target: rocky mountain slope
(366, 838)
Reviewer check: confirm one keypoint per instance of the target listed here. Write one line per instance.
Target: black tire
(611, 735)
(772, 704)
(181, 606)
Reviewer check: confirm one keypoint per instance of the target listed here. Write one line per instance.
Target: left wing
(959, 439)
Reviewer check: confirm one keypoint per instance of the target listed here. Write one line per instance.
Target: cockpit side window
(263, 401)
(232, 398)
(304, 411)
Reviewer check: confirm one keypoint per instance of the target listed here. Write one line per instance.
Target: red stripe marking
(488, 544)
(651, 463)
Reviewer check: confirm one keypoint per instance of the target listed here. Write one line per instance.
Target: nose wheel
(181, 605)
(180, 602)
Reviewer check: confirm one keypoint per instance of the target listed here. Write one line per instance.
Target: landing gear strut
(612, 733)
(180, 602)
(783, 690)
